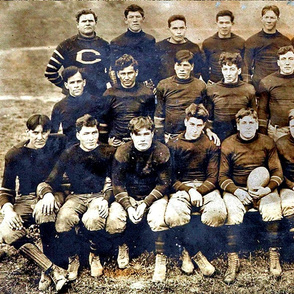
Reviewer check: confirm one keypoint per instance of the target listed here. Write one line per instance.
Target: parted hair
(133, 8)
(85, 11)
(39, 119)
(274, 8)
(197, 111)
(86, 120)
(229, 58)
(176, 17)
(140, 122)
(125, 61)
(184, 55)
(225, 13)
(246, 112)
(71, 71)
(285, 49)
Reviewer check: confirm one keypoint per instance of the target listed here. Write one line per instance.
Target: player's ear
(84, 82)
(185, 122)
(78, 135)
(239, 71)
(137, 71)
(66, 85)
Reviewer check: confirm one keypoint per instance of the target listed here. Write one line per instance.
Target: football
(259, 177)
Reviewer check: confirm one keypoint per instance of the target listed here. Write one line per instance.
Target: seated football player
(141, 178)
(87, 165)
(31, 162)
(195, 162)
(241, 154)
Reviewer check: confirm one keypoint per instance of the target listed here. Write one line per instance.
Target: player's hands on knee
(195, 197)
(140, 211)
(213, 137)
(103, 208)
(48, 204)
(133, 215)
(243, 196)
(260, 192)
(12, 218)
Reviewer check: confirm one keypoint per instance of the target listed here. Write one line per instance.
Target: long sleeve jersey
(213, 47)
(86, 171)
(240, 157)
(120, 105)
(223, 101)
(261, 54)
(276, 99)
(142, 175)
(30, 166)
(142, 47)
(166, 53)
(69, 109)
(174, 95)
(91, 54)
(194, 160)
(285, 146)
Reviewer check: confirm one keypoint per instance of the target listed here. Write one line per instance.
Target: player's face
(86, 25)
(75, 85)
(286, 63)
(88, 137)
(247, 126)
(269, 21)
(183, 70)
(37, 137)
(194, 128)
(177, 31)
(291, 127)
(127, 76)
(143, 139)
(230, 73)
(134, 21)
(224, 26)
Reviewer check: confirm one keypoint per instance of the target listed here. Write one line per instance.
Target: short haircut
(283, 50)
(85, 11)
(140, 122)
(184, 55)
(225, 13)
(125, 61)
(229, 58)
(86, 120)
(246, 112)
(71, 71)
(291, 115)
(273, 8)
(39, 119)
(197, 111)
(176, 17)
(133, 8)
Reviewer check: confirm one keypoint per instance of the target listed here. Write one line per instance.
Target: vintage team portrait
(147, 147)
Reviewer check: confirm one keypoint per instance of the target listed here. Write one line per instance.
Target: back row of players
(144, 171)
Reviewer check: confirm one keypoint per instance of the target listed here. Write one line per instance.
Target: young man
(87, 165)
(166, 49)
(77, 103)
(125, 100)
(227, 96)
(137, 43)
(195, 162)
(222, 41)
(174, 95)
(276, 96)
(31, 162)
(241, 154)
(85, 50)
(261, 48)
(141, 178)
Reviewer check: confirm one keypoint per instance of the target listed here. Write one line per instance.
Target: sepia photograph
(146, 146)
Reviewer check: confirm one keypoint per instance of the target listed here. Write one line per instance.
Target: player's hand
(103, 208)
(243, 196)
(133, 215)
(140, 211)
(196, 197)
(49, 204)
(13, 219)
(260, 192)
(115, 142)
(213, 137)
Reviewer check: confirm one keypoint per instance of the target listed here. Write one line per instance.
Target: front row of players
(144, 172)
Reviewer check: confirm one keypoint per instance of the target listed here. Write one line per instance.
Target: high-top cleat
(58, 275)
(73, 267)
(275, 267)
(123, 258)
(204, 265)
(44, 282)
(160, 268)
(233, 268)
(95, 265)
(187, 264)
